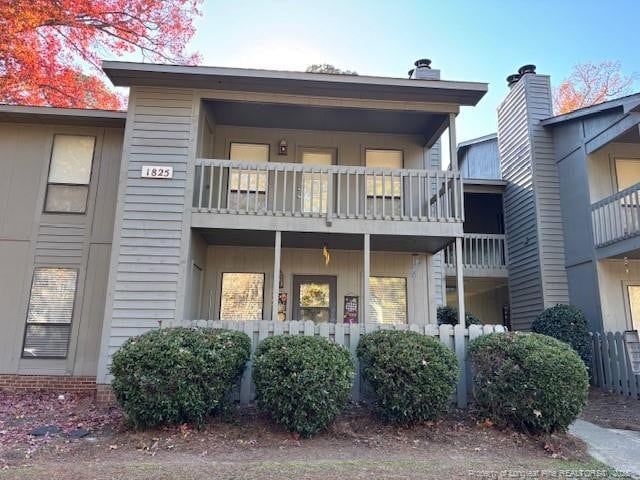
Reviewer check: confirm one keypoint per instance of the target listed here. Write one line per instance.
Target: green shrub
(449, 316)
(530, 381)
(568, 324)
(303, 383)
(412, 375)
(176, 375)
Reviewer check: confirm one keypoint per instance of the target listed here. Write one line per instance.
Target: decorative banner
(282, 306)
(350, 309)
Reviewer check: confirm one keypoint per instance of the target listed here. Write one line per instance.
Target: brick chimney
(533, 221)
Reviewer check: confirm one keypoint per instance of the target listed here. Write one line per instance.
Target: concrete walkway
(619, 449)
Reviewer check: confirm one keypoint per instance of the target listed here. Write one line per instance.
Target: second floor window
(248, 187)
(69, 174)
(384, 191)
(627, 172)
(315, 185)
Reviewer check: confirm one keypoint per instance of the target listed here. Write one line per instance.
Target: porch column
(276, 277)
(366, 271)
(453, 147)
(460, 281)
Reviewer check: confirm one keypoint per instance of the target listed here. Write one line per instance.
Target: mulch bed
(612, 411)
(244, 434)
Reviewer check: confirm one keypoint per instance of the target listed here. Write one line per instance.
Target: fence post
(458, 339)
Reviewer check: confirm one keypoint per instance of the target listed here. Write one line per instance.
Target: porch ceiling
(286, 116)
(339, 241)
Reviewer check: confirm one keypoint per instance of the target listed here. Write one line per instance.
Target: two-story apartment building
(233, 194)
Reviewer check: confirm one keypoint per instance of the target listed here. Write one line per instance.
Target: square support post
(366, 272)
(453, 147)
(276, 276)
(460, 281)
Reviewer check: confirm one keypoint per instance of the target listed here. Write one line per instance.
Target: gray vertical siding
(147, 260)
(480, 160)
(533, 221)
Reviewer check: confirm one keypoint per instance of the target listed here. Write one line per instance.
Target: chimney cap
(423, 63)
(513, 79)
(530, 68)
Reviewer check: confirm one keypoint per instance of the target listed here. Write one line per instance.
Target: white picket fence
(348, 335)
(610, 367)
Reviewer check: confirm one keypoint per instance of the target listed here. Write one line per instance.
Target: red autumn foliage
(50, 50)
(590, 84)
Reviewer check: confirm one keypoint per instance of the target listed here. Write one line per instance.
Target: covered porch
(318, 277)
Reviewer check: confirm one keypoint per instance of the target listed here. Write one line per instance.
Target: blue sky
(467, 40)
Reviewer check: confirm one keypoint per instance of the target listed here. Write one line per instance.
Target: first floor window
(69, 174)
(53, 293)
(242, 296)
(634, 305)
(388, 299)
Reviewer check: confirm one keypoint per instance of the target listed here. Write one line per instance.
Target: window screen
(248, 188)
(385, 191)
(69, 174)
(388, 299)
(53, 292)
(242, 296)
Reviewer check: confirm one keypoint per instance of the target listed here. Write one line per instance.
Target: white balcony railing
(336, 191)
(616, 217)
(480, 251)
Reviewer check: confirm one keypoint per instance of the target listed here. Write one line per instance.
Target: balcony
(483, 255)
(616, 222)
(335, 198)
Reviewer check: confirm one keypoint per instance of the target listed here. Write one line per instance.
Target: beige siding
(613, 277)
(31, 238)
(350, 146)
(346, 265)
(602, 170)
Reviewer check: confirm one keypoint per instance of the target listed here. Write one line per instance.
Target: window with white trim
(48, 330)
(627, 172)
(384, 191)
(388, 299)
(633, 293)
(315, 185)
(248, 187)
(242, 296)
(69, 174)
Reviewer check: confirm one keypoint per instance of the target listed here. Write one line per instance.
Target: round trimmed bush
(412, 375)
(177, 375)
(303, 383)
(568, 324)
(449, 316)
(529, 381)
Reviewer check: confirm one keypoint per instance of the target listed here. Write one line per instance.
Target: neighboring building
(227, 194)
(571, 205)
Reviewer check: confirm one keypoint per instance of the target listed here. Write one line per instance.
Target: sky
(481, 41)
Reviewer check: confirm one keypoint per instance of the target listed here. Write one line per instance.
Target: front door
(314, 298)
